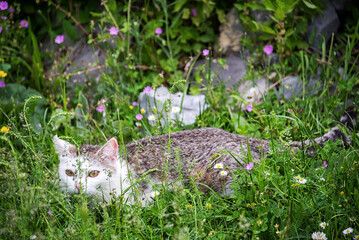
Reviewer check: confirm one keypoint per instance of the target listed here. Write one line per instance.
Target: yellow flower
(341, 193)
(3, 74)
(4, 129)
(143, 111)
(131, 107)
(208, 206)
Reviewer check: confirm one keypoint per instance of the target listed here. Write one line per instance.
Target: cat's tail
(347, 121)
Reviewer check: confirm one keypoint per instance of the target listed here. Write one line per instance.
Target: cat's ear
(109, 151)
(62, 147)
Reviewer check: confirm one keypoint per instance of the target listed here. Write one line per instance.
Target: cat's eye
(94, 173)
(69, 173)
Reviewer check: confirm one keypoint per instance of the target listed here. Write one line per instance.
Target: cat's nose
(78, 187)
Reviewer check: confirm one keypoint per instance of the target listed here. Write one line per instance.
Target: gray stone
(192, 106)
(231, 33)
(292, 86)
(232, 77)
(324, 24)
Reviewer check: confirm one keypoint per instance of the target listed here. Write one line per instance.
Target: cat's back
(189, 144)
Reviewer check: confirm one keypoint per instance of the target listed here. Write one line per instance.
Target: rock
(231, 33)
(292, 86)
(324, 24)
(192, 106)
(232, 76)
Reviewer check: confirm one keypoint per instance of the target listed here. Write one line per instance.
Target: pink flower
(11, 9)
(101, 108)
(135, 103)
(325, 164)
(3, 5)
(268, 49)
(113, 31)
(226, 67)
(0, 29)
(205, 52)
(59, 39)
(24, 23)
(147, 89)
(2, 84)
(158, 31)
(250, 107)
(50, 212)
(194, 12)
(249, 166)
(139, 117)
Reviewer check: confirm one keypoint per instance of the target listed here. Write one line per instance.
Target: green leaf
(309, 4)
(81, 111)
(179, 4)
(263, 28)
(70, 30)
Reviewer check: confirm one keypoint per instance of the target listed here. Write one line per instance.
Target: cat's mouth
(78, 188)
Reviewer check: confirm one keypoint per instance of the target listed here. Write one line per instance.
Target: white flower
(152, 118)
(155, 194)
(322, 179)
(323, 225)
(292, 170)
(267, 173)
(297, 177)
(176, 109)
(218, 165)
(252, 90)
(223, 173)
(347, 231)
(33, 237)
(319, 236)
(302, 180)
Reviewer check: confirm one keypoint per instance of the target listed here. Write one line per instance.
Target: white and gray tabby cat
(159, 161)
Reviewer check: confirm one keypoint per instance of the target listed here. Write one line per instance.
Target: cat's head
(87, 169)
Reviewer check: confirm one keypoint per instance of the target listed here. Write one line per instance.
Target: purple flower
(268, 49)
(50, 212)
(59, 39)
(2, 84)
(250, 107)
(0, 29)
(205, 52)
(3, 5)
(147, 89)
(135, 103)
(139, 117)
(226, 67)
(101, 108)
(3, 17)
(249, 166)
(24, 23)
(113, 31)
(194, 12)
(11, 9)
(325, 164)
(39, 126)
(158, 31)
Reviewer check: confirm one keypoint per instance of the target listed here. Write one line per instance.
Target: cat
(151, 163)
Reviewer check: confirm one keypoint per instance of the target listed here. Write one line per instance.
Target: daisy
(302, 180)
(347, 231)
(218, 165)
(155, 194)
(323, 225)
(223, 173)
(175, 109)
(152, 117)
